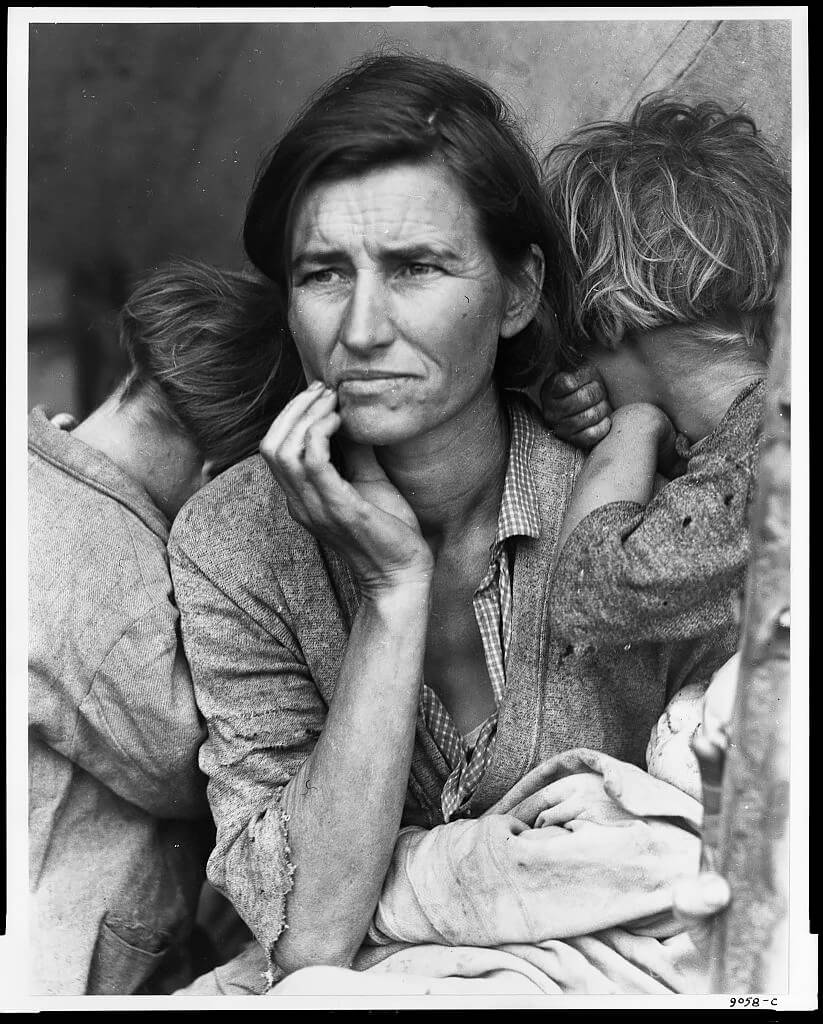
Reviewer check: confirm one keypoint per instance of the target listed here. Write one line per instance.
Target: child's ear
(524, 294)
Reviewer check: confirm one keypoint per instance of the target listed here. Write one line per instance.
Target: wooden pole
(749, 944)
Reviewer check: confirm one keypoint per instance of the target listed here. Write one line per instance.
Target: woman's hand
(696, 902)
(582, 796)
(366, 520)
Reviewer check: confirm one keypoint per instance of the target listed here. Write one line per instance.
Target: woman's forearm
(346, 801)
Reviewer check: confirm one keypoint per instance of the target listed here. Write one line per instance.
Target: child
(674, 227)
(117, 802)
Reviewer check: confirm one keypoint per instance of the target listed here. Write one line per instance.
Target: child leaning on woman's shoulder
(674, 227)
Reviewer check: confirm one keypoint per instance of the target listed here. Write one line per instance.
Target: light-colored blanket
(563, 886)
(560, 906)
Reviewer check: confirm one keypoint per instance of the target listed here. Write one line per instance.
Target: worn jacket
(265, 615)
(117, 802)
(672, 569)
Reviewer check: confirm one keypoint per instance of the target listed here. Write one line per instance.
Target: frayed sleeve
(263, 714)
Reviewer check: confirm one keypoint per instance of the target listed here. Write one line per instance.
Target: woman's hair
(211, 351)
(679, 215)
(392, 108)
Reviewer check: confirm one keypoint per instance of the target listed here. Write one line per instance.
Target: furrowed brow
(317, 257)
(419, 251)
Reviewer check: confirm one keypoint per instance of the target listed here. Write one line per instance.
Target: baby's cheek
(672, 760)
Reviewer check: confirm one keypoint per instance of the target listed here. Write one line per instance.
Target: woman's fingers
(292, 449)
(557, 815)
(701, 897)
(697, 900)
(289, 418)
(303, 427)
(538, 803)
(326, 494)
(288, 451)
(546, 832)
(366, 520)
(305, 455)
(316, 446)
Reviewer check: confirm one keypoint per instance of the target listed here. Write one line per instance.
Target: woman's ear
(524, 294)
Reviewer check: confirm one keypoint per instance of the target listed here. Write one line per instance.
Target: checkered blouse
(519, 516)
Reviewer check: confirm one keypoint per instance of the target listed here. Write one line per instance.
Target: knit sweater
(265, 617)
(672, 569)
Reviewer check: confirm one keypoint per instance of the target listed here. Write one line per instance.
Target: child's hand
(576, 406)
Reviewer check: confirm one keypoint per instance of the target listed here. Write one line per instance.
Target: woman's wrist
(400, 592)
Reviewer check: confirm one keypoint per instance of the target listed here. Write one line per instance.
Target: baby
(674, 228)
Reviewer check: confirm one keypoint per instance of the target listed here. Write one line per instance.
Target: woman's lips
(372, 384)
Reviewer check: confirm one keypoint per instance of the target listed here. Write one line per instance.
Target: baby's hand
(576, 406)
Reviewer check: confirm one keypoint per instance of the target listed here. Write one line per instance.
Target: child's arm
(623, 466)
(666, 571)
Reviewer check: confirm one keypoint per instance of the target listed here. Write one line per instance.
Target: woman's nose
(367, 322)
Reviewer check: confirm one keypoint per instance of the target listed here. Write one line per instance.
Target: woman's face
(395, 300)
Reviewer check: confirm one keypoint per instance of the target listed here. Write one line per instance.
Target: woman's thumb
(696, 901)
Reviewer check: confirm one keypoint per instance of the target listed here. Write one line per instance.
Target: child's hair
(679, 215)
(211, 350)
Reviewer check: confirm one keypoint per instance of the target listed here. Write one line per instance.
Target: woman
(119, 824)
(364, 608)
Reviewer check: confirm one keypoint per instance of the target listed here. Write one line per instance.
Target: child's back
(119, 822)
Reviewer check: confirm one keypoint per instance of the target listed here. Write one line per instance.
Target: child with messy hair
(119, 822)
(673, 226)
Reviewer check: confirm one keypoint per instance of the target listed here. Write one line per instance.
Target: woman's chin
(377, 426)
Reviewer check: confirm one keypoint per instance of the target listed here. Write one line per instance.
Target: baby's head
(676, 217)
(210, 357)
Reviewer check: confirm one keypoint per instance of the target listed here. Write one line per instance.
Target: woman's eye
(328, 275)
(418, 269)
